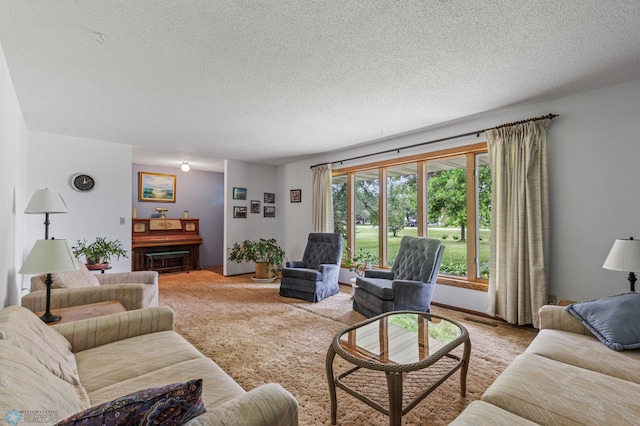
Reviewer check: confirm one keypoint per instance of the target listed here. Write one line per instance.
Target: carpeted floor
(257, 337)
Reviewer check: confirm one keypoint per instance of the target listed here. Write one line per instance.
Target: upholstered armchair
(315, 277)
(135, 290)
(407, 286)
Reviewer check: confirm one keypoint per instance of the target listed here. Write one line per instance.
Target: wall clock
(83, 182)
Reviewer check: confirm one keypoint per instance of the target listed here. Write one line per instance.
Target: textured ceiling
(266, 81)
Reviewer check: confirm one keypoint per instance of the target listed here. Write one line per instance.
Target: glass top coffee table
(398, 359)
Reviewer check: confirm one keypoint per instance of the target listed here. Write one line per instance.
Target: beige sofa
(565, 377)
(61, 370)
(135, 290)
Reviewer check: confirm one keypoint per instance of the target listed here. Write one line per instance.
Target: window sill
(462, 283)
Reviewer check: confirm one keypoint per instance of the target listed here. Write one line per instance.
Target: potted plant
(361, 261)
(99, 252)
(266, 253)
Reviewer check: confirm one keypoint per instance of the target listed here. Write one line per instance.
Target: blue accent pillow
(615, 320)
(173, 404)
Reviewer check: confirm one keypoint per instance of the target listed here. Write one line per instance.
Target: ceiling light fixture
(185, 166)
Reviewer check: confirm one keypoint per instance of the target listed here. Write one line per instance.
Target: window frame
(471, 281)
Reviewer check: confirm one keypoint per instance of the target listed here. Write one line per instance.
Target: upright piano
(150, 235)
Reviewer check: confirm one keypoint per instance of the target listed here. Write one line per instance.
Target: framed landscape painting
(156, 187)
(255, 206)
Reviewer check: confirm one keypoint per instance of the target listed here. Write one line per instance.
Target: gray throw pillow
(615, 320)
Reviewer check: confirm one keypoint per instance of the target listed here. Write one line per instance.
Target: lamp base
(49, 317)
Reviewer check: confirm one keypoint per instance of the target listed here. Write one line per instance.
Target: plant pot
(264, 270)
(97, 266)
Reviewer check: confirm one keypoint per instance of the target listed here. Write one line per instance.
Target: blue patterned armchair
(408, 286)
(316, 276)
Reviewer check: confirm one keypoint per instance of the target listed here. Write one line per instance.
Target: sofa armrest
(557, 318)
(140, 277)
(93, 332)
(132, 296)
(295, 264)
(378, 273)
(266, 405)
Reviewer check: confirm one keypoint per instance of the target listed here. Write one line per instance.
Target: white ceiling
(269, 81)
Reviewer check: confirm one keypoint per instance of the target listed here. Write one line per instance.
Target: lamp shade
(49, 257)
(624, 256)
(46, 201)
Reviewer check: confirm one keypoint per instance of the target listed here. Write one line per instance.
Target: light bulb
(185, 167)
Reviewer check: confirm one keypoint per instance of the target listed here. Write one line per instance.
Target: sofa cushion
(218, 387)
(23, 329)
(75, 279)
(613, 320)
(103, 365)
(546, 391)
(27, 385)
(481, 413)
(586, 352)
(172, 404)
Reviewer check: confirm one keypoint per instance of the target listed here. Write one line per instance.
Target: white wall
(52, 161)
(256, 179)
(13, 160)
(594, 149)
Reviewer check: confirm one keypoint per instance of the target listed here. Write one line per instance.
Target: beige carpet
(257, 337)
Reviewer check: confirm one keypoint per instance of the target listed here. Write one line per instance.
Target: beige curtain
(322, 201)
(518, 284)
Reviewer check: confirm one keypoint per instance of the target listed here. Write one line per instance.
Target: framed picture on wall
(255, 206)
(269, 211)
(239, 193)
(296, 195)
(269, 197)
(156, 187)
(240, 212)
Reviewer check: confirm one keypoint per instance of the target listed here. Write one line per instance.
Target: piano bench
(164, 257)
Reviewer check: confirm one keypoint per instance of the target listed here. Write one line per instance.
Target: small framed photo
(269, 211)
(239, 193)
(255, 206)
(296, 195)
(239, 212)
(269, 197)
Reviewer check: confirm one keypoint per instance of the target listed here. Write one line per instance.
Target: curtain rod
(477, 133)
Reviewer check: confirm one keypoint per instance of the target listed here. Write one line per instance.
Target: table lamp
(625, 256)
(49, 257)
(46, 201)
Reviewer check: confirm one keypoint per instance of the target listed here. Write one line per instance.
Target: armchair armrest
(295, 264)
(132, 296)
(412, 295)
(556, 317)
(140, 277)
(93, 332)
(266, 405)
(378, 273)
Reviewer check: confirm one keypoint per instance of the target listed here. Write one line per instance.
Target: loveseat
(48, 374)
(565, 377)
(135, 290)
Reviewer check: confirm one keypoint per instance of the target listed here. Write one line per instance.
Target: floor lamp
(625, 256)
(49, 257)
(46, 201)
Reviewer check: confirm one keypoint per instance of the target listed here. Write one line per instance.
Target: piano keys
(151, 235)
